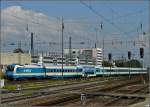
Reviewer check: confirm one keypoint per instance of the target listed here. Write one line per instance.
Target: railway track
(61, 101)
(53, 90)
(129, 100)
(66, 90)
(48, 90)
(112, 99)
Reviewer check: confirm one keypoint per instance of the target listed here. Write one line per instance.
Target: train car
(119, 71)
(67, 72)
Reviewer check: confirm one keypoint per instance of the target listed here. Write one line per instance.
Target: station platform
(145, 103)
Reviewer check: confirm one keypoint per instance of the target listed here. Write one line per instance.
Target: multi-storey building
(74, 57)
(85, 56)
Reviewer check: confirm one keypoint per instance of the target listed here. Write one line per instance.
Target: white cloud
(15, 20)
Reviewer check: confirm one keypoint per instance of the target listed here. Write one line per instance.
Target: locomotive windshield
(10, 68)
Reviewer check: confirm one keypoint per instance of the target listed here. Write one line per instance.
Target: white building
(76, 57)
(85, 56)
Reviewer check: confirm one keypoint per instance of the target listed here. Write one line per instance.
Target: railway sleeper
(59, 100)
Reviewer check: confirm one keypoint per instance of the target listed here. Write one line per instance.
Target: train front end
(9, 71)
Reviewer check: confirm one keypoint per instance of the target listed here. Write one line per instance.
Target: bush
(2, 75)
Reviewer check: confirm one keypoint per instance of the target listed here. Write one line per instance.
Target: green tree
(120, 63)
(106, 64)
(132, 63)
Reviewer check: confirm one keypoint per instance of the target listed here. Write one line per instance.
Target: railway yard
(90, 53)
(97, 91)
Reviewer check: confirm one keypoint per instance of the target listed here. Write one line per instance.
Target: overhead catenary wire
(47, 26)
(107, 20)
(130, 14)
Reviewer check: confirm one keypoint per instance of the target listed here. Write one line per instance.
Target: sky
(74, 9)
(121, 21)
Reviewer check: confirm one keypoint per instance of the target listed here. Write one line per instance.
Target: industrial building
(15, 58)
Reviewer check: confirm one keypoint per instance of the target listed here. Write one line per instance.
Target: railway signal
(129, 55)
(109, 56)
(141, 52)
(32, 47)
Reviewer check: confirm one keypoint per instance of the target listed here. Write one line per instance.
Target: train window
(97, 70)
(17, 69)
(10, 68)
(59, 70)
(54, 70)
(80, 70)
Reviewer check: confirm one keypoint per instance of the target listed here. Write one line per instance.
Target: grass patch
(56, 81)
(25, 93)
(10, 87)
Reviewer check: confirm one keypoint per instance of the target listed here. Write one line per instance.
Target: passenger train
(14, 71)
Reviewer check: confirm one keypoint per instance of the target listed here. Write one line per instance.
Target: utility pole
(149, 46)
(62, 45)
(103, 55)
(0, 50)
(96, 38)
(101, 26)
(19, 53)
(70, 51)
